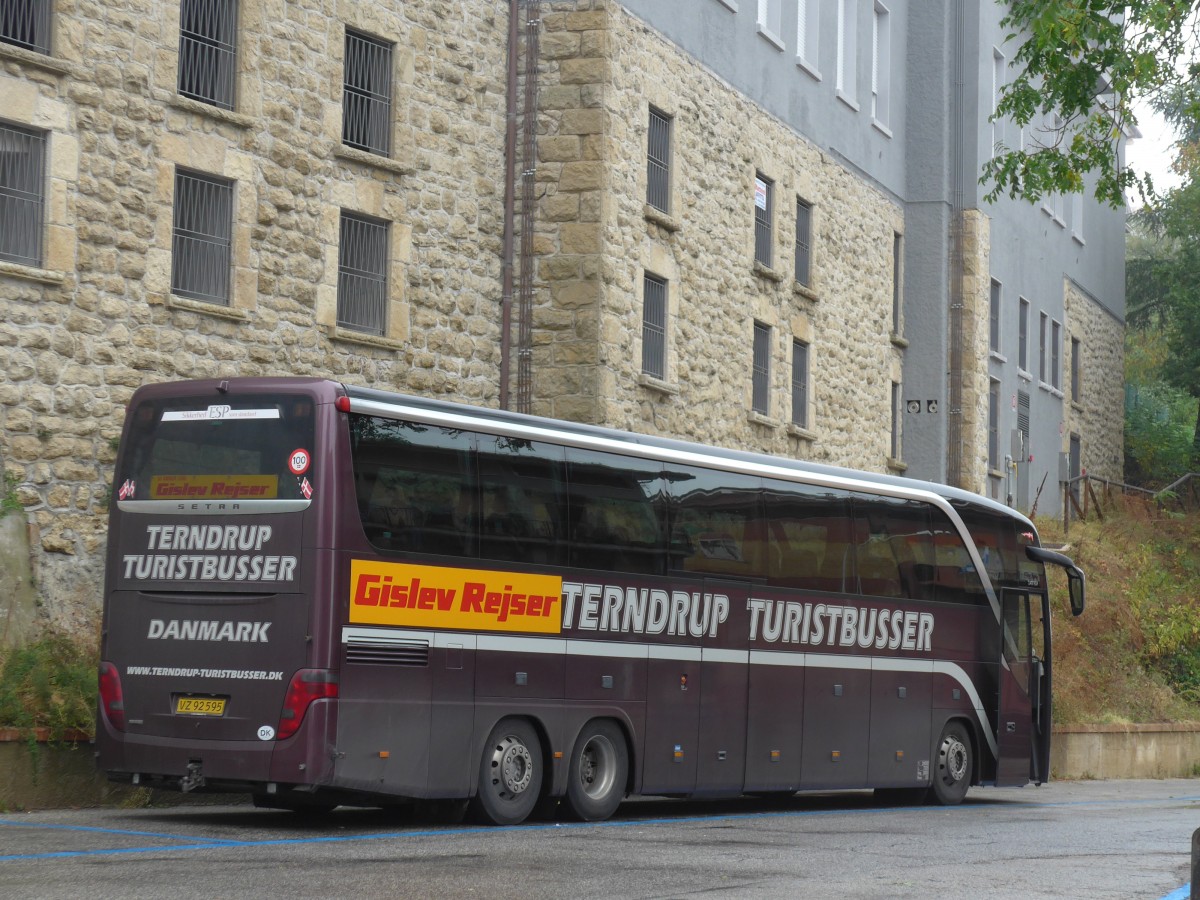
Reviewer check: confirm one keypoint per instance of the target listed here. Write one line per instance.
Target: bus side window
(522, 494)
(717, 521)
(893, 552)
(614, 513)
(956, 578)
(809, 537)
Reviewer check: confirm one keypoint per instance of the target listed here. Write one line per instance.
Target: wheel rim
(953, 759)
(512, 767)
(597, 767)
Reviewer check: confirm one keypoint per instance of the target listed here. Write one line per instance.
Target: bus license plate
(200, 706)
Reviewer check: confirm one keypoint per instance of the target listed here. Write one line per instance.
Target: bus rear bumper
(184, 764)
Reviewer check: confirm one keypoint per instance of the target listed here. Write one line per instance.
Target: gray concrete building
(754, 223)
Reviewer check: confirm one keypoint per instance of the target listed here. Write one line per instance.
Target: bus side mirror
(1075, 589)
(1075, 579)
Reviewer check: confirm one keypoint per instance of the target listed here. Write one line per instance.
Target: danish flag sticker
(298, 461)
(306, 489)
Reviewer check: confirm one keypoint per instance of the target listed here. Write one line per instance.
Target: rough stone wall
(1099, 415)
(79, 335)
(595, 114)
(976, 299)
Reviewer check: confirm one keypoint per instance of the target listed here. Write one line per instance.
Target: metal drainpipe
(510, 169)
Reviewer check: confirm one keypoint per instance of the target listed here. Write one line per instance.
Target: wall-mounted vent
(387, 653)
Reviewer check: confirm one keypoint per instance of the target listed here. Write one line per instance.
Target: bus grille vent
(391, 654)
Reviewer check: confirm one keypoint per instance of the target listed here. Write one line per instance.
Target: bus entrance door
(1015, 719)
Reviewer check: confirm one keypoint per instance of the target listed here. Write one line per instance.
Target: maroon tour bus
(320, 594)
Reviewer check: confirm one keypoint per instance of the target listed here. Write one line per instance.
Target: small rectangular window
(1076, 363)
(1023, 337)
(994, 425)
(658, 161)
(803, 242)
(897, 447)
(808, 28)
(770, 17)
(26, 23)
(764, 190)
(362, 274)
(1043, 337)
(897, 283)
(800, 384)
(1056, 354)
(201, 247)
(22, 194)
(208, 51)
(847, 48)
(760, 401)
(654, 326)
(998, 71)
(881, 64)
(367, 94)
(994, 318)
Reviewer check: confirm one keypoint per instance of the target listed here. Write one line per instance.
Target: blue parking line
(219, 844)
(1182, 893)
(89, 828)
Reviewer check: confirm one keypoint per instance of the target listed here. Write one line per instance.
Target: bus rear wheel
(597, 773)
(510, 774)
(953, 766)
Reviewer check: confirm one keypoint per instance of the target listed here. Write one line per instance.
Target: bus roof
(326, 390)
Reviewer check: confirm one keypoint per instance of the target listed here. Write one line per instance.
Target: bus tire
(953, 765)
(597, 772)
(510, 774)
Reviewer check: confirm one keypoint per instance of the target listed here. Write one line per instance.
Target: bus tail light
(307, 685)
(112, 698)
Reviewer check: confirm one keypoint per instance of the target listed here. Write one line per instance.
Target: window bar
(202, 240)
(762, 368)
(367, 94)
(26, 23)
(803, 242)
(762, 219)
(362, 275)
(207, 51)
(22, 194)
(658, 157)
(800, 384)
(654, 330)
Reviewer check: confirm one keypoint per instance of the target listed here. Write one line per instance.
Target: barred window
(897, 426)
(1023, 337)
(760, 400)
(367, 94)
(763, 208)
(22, 194)
(994, 318)
(208, 51)
(362, 274)
(1055, 354)
(654, 326)
(26, 23)
(994, 425)
(658, 161)
(897, 280)
(803, 242)
(800, 384)
(201, 246)
(1076, 364)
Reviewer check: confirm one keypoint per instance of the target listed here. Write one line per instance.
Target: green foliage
(9, 502)
(49, 684)
(1079, 67)
(1159, 422)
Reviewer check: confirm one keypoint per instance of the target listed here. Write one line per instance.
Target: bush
(49, 684)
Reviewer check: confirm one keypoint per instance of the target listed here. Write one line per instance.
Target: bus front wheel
(598, 770)
(510, 773)
(953, 765)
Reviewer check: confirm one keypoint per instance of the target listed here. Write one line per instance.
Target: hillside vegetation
(1134, 655)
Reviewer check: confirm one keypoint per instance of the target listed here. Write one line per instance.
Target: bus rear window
(251, 448)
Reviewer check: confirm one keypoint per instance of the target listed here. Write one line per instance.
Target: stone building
(725, 222)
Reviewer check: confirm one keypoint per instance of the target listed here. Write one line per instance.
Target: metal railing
(1080, 495)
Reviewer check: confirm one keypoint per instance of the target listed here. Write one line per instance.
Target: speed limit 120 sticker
(299, 461)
